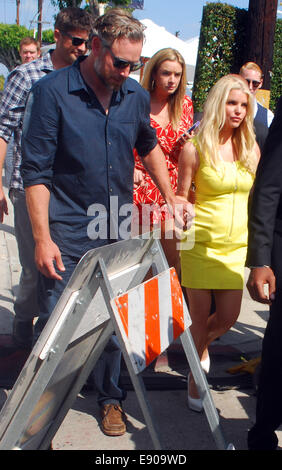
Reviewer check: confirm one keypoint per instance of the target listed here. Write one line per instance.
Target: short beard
(102, 79)
(109, 86)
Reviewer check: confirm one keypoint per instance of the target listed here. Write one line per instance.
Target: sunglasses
(76, 41)
(122, 63)
(254, 82)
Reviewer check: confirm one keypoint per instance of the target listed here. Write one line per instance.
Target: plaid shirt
(13, 103)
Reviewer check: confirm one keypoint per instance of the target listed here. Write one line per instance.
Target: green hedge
(222, 46)
(10, 37)
(221, 42)
(47, 36)
(276, 79)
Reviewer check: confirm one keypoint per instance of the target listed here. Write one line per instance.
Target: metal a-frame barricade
(85, 317)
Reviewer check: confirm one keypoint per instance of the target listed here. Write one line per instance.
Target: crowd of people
(136, 142)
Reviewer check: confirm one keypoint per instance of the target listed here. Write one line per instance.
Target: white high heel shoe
(195, 404)
(206, 363)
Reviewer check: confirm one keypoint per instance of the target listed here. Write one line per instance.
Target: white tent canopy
(157, 37)
(193, 44)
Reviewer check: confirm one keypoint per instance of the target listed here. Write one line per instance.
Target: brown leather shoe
(113, 420)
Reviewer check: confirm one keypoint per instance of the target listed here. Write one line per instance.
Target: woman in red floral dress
(171, 116)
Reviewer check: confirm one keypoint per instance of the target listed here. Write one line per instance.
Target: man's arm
(39, 145)
(265, 201)
(46, 251)
(11, 113)
(3, 200)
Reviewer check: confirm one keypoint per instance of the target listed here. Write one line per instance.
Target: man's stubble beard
(104, 81)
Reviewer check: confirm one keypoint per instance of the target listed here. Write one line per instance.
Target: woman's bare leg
(206, 328)
(199, 309)
(228, 306)
(170, 243)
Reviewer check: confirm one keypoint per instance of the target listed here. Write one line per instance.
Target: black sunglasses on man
(254, 82)
(75, 40)
(122, 63)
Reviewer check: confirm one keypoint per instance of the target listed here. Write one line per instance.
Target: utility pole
(18, 11)
(39, 21)
(262, 21)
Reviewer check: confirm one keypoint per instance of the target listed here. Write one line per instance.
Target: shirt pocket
(124, 132)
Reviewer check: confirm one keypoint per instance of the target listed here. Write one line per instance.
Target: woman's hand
(138, 178)
(185, 137)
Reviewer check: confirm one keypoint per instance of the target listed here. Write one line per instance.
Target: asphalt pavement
(165, 381)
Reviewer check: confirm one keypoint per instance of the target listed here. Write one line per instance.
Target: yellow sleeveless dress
(213, 251)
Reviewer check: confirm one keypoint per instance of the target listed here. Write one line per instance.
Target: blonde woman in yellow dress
(222, 161)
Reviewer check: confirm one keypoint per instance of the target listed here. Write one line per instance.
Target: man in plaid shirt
(72, 28)
(29, 50)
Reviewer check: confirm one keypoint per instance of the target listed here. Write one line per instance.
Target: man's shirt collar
(76, 82)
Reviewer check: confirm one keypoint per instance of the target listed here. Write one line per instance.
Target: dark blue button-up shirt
(85, 156)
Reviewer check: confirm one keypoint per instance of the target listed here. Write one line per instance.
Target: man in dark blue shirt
(90, 159)
(80, 129)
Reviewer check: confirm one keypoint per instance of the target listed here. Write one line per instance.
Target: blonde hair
(251, 66)
(175, 101)
(214, 119)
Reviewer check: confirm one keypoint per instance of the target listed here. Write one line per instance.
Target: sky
(180, 15)
(175, 15)
(183, 16)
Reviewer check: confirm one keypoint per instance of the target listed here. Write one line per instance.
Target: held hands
(47, 257)
(183, 212)
(257, 279)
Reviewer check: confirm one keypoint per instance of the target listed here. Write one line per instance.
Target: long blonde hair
(214, 119)
(175, 101)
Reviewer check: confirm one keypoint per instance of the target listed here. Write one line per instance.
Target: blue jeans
(26, 304)
(107, 369)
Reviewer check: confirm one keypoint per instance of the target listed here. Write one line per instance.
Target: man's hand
(183, 212)
(3, 200)
(3, 206)
(47, 256)
(257, 279)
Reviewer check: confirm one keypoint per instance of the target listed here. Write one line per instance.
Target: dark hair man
(80, 130)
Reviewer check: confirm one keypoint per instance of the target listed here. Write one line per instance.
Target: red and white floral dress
(147, 194)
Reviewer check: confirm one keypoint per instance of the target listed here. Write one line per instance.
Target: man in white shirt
(262, 116)
(253, 74)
